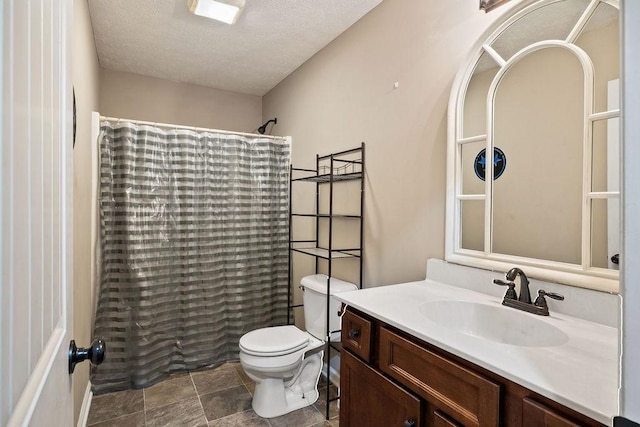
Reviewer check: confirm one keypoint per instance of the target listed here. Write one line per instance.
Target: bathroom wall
(345, 94)
(133, 96)
(85, 82)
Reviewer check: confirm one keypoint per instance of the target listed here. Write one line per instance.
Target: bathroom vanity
(403, 365)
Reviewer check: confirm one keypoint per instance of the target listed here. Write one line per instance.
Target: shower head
(262, 129)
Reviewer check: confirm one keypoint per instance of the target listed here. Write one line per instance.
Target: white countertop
(581, 374)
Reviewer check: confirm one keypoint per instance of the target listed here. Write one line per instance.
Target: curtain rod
(194, 128)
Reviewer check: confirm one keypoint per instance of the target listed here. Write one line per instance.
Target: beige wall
(345, 94)
(85, 82)
(138, 97)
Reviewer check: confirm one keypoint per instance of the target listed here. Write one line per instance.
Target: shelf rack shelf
(325, 254)
(328, 177)
(331, 169)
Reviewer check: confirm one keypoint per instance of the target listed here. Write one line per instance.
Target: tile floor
(219, 397)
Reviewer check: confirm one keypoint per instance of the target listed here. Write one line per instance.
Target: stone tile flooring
(219, 397)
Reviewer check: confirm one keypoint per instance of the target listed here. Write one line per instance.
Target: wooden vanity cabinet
(453, 390)
(387, 404)
(389, 378)
(356, 335)
(534, 414)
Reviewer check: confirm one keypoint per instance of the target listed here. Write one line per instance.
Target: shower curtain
(194, 229)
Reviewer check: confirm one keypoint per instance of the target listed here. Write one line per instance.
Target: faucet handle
(552, 295)
(511, 292)
(541, 302)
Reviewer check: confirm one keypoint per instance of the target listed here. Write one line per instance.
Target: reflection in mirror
(471, 184)
(600, 39)
(475, 103)
(539, 124)
(472, 211)
(551, 22)
(472, 217)
(605, 236)
(606, 156)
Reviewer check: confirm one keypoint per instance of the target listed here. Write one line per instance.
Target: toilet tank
(314, 299)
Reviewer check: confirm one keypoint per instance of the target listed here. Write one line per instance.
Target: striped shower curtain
(194, 241)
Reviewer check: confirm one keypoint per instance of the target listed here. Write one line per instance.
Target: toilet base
(273, 400)
(274, 397)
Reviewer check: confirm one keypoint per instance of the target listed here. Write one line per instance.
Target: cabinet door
(536, 415)
(466, 396)
(369, 399)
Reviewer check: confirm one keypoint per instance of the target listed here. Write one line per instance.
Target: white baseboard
(86, 405)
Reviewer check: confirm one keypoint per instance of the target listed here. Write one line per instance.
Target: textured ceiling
(160, 38)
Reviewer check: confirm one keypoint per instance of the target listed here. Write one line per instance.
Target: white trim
(605, 115)
(495, 55)
(471, 139)
(582, 21)
(576, 274)
(471, 197)
(86, 406)
(603, 195)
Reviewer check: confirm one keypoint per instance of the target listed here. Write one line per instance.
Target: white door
(35, 213)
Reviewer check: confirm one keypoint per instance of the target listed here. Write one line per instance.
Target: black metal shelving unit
(331, 169)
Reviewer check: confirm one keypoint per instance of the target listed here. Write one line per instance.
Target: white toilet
(284, 361)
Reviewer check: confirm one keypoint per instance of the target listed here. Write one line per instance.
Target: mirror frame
(582, 275)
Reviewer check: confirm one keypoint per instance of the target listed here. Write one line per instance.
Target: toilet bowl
(286, 374)
(285, 362)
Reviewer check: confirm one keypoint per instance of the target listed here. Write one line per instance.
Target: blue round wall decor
(499, 163)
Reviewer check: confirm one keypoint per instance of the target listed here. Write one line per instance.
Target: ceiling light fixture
(226, 11)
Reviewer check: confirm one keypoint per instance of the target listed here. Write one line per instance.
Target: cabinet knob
(354, 333)
(409, 423)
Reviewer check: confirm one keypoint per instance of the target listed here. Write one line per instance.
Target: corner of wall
(85, 81)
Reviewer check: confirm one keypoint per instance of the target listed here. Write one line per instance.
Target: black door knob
(95, 354)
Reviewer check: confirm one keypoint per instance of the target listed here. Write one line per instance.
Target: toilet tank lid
(318, 283)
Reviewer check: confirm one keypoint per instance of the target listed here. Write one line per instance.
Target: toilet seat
(274, 341)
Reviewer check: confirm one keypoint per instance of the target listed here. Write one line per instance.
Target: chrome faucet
(525, 294)
(523, 302)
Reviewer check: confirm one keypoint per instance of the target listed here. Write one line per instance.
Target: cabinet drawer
(356, 335)
(535, 414)
(469, 398)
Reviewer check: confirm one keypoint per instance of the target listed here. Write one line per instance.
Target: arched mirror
(536, 108)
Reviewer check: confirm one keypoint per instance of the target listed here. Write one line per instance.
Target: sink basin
(494, 323)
